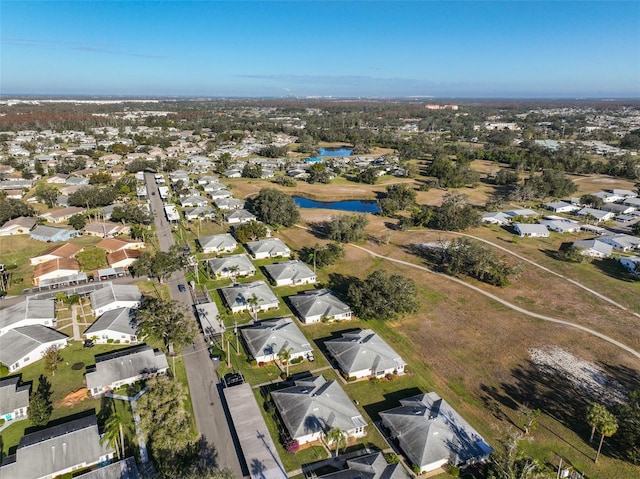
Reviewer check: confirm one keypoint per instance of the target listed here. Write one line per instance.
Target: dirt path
(506, 303)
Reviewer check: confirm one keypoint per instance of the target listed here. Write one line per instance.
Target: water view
(340, 151)
(357, 206)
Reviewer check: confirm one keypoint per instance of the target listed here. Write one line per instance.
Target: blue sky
(321, 48)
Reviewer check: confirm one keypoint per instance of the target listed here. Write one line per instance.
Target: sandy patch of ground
(73, 398)
(581, 374)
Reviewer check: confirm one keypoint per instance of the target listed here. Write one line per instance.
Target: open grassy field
(476, 353)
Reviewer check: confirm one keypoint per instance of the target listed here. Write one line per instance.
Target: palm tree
(226, 338)
(253, 306)
(285, 355)
(337, 436)
(114, 431)
(595, 413)
(607, 428)
(233, 272)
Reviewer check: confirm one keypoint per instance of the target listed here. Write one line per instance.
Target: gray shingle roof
(125, 364)
(56, 448)
(12, 396)
(218, 242)
(430, 430)
(271, 246)
(27, 309)
(240, 294)
(363, 350)
(270, 337)
(17, 343)
(224, 265)
(315, 404)
(126, 469)
(112, 293)
(371, 466)
(289, 270)
(121, 320)
(318, 302)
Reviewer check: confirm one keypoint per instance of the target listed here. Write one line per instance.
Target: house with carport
(114, 296)
(363, 354)
(266, 339)
(237, 265)
(238, 297)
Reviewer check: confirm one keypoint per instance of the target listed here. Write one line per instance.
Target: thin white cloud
(106, 48)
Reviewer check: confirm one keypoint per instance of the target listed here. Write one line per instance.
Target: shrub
(374, 379)
(1, 421)
(268, 407)
(109, 341)
(292, 446)
(77, 366)
(253, 362)
(352, 378)
(297, 360)
(391, 458)
(415, 468)
(117, 341)
(454, 471)
(389, 377)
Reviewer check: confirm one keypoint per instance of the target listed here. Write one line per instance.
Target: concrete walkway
(506, 303)
(74, 323)
(142, 446)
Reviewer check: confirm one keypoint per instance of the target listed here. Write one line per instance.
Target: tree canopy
(382, 296)
(276, 208)
(347, 228)
(165, 321)
(11, 208)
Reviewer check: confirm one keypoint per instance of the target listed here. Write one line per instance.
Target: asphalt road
(204, 384)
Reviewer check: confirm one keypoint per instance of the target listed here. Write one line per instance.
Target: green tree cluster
(47, 194)
(251, 231)
(40, 405)
(322, 255)
(131, 213)
(452, 174)
(93, 196)
(11, 208)
(455, 214)
(92, 259)
(472, 258)
(368, 176)
(252, 170)
(273, 151)
(319, 173)
(347, 228)
(165, 321)
(382, 296)
(160, 264)
(78, 221)
(275, 208)
(100, 178)
(397, 197)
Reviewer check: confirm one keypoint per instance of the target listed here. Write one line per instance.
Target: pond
(354, 206)
(340, 151)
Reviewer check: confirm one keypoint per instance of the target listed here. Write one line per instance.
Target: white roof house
(114, 296)
(621, 242)
(561, 226)
(230, 266)
(193, 200)
(220, 194)
(363, 353)
(222, 243)
(524, 212)
(268, 248)
(496, 218)
(431, 433)
(27, 313)
(199, 212)
(594, 248)
(239, 216)
(117, 325)
(531, 230)
(290, 273)
(237, 297)
(229, 203)
(171, 212)
(313, 406)
(17, 226)
(318, 305)
(266, 339)
(25, 345)
(125, 366)
(598, 215)
(561, 207)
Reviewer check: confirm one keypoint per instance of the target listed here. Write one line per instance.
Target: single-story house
(66, 250)
(266, 339)
(62, 215)
(222, 243)
(114, 296)
(14, 399)
(111, 245)
(496, 218)
(313, 406)
(561, 207)
(362, 354)
(608, 197)
(125, 366)
(561, 226)
(596, 214)
(55, 269)
(290, 273)
(632, 263)
(626, 194)
(123, 258)
(192, 201)
(239, 217)
(621, 242)
(67, 447)
(632, 202)
(115, 326)
(432, 434)
(531, 230)
(220, 194)
(237, 297)
(232, 266)
(268, 248)
(25, 345)
(27, 313)
(523, 212)
(229, 204)
(50, 234)
(205, 180)
(18, 226)
(319, 305)
(369, 466)
(618, 209)
(106, 229)
(199, 212)
(594, 248)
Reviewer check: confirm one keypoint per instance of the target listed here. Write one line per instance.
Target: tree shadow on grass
(614, 269)
(391, 400)
(339, 283)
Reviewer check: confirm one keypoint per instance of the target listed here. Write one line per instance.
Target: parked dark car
(232, 379)
(182, 288)
(88, 343)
